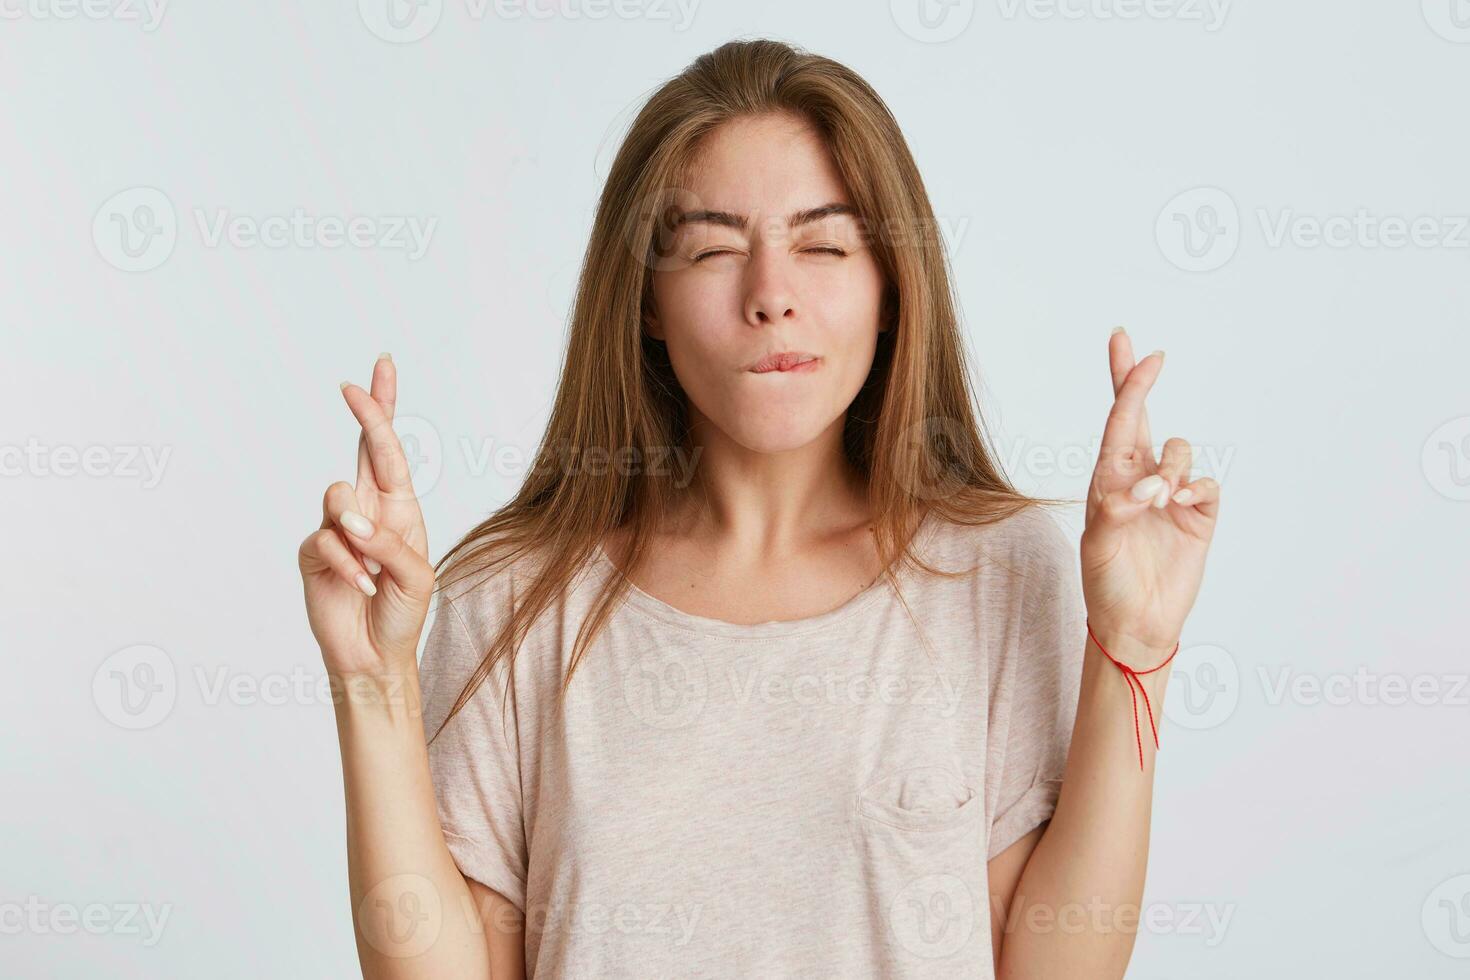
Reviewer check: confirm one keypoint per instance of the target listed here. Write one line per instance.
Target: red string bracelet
(1131, 676)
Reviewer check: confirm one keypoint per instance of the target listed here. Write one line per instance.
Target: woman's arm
(412, 909)
(1071, 907)
(1075, 908)
(416, 914)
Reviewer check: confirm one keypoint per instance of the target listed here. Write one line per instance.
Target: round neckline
(671, 615)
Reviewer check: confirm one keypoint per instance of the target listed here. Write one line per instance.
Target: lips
(785, 361)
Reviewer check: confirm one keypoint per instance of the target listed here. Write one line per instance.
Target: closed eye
(825, 249)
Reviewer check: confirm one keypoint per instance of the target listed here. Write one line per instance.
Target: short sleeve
(474, 761)
(1035, 690)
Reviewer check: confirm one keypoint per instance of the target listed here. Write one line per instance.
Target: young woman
(767, 670)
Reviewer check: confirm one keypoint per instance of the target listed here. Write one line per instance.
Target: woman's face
(760, 265)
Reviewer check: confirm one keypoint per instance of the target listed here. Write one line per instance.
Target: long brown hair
(913, 432)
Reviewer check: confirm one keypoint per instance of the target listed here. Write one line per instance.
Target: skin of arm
(1068, 900)
(1065, 898)
(416, 915)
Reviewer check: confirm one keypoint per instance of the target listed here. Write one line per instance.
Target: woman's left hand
(1143, 550)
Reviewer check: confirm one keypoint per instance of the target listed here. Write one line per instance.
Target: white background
(1323, 384)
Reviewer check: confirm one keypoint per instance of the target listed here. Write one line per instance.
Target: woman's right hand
(373, 530)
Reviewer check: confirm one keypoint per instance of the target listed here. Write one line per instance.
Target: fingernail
(1161, 355)
(366, 584)
(1183, 496)
(357, 524)
(343, 385)
(371, 565)
(385, 356)
(1147, 487)
(1117, 330)
(1163, 497)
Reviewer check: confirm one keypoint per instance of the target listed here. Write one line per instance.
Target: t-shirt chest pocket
(921, 849)
(920, 798)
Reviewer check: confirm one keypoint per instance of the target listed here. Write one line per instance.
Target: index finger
(1120, 361)
(390, 467)
(1121, 432)
(385, 392)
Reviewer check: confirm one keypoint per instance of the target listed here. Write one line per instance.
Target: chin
(775, 434)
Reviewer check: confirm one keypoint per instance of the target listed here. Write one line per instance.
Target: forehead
(766, 167)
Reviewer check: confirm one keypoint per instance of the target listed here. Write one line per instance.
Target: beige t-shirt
(807, 798)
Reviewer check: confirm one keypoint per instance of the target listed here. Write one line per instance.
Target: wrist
(388, 693)
(1125, 648)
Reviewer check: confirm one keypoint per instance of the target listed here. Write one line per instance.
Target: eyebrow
(740, 222)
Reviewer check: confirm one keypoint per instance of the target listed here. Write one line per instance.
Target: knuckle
(335, 490)
(311, 546)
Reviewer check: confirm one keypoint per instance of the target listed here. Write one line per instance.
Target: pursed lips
(785, 362)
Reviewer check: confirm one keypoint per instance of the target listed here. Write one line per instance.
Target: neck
(770, 502)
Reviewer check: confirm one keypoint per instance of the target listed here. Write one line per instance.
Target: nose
(769, 295)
